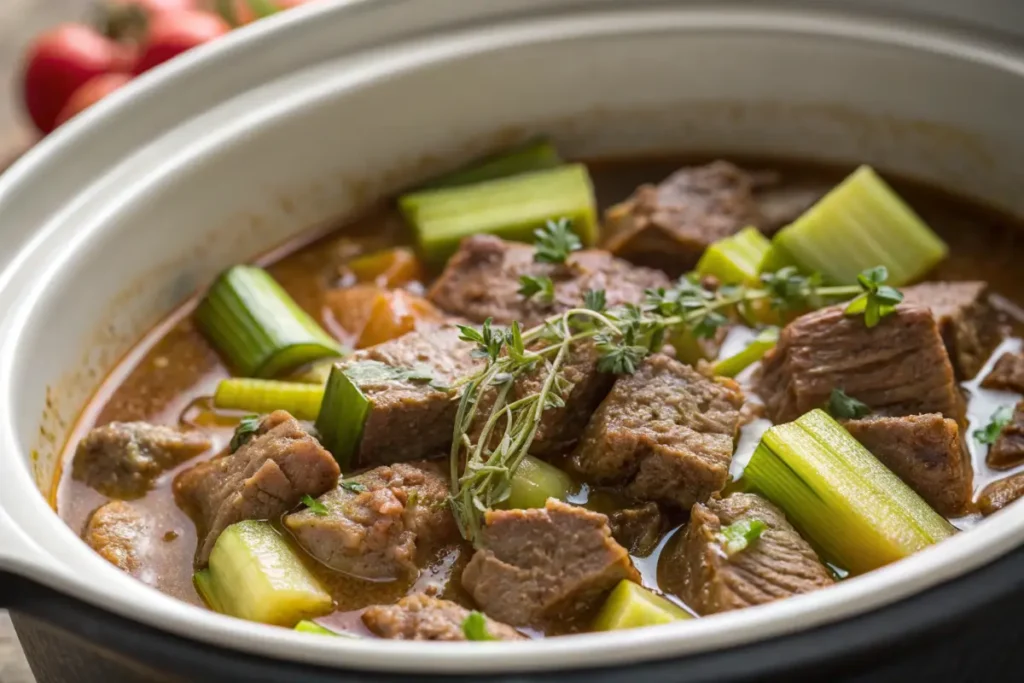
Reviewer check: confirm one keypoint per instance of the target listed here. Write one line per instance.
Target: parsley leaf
(474, 626)
(877, 299)
(595, 300)
(738, 536)
(990, 432)
(844, 407)
(540, 287)
(244, 432)
(353, 486)
(489, 339)
(555, 241)
(314, 505)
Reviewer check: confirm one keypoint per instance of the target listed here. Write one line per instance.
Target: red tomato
(172, 33)
(59, 62)
(90, 93)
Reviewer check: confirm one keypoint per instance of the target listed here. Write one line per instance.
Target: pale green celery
(735, 259)
(764, 342)
(630, 605)
(343, 413)
(534, 482)
(262, 396)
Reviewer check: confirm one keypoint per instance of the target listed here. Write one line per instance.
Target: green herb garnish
(555, 241)
(844, 407)
(353, 486)
(540, 288)
(244, 432)
(990, 432)
(738, 536)
(375, 372)
(474, 626)
(314, 505)
(878, 299)
(595, 300)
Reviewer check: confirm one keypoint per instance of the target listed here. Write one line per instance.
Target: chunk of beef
(926, 452)
(545, 564)
(669, 225)
(969, 324)
(999, 494)
(119, 533)
(776, 565)
(379, 524)
(411, 419)
(421, 617)
(1007, 374)
(899, 367)
(1008, 450)
(121, 459)
(482, 281)
(664, 433)
(263, 479)
(638, 529)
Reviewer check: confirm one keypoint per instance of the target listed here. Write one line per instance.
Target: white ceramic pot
(299, 120)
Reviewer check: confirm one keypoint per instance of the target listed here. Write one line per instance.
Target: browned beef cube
(421, 617)
(899, 367)
(638, 529)
(664, 434)
(926, 452)
(121, 459)
(1008, 450)
(263, 479)
(379, 524)
(411, 420)
(1008, 374)
(969, 324)
(482, 281)
(119, 533)
(998, 495)
(669, 225)
(776, 565)
(545, 564)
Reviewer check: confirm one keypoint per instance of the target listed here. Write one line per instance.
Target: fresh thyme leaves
(739, 535)
(373, 372)
(878, 299)
(540, 288)
(314, 505)
(990, 432)
(844, 407)
(595, 300)
(353, 486)
(555, 241)
(474, 627)
(489, 339)
(244, 432)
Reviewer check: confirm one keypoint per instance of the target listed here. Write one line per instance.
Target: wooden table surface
(19, 21)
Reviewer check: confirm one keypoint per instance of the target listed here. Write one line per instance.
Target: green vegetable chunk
(306, 626)
(204, 586)
(858, 514)
(267, 395)
(535, 155)
(736, 259)
(990, 432)
(256, 576)
(860, 224)
(534, 482)
(631, 605)
(764, 342)
(511, 208)
(474, 626)
(258, 327)
(342, 415)
(739, 535)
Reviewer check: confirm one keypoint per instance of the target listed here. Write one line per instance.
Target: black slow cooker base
(966, 630)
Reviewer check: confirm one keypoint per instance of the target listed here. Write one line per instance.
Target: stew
(536, 397)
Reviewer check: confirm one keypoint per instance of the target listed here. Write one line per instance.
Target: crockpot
(299, 120)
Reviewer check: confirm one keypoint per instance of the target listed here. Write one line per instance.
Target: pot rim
(85, 575)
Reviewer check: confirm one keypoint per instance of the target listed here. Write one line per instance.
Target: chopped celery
(535, 155)
(267, 395)
(509, 207)
(256, 576)
(534, 482)
(736, 259)
(306, 626)
(204, 586)
(777, 258)
(690, 349)
(857, 513)
(342, 416)
(631, 605)
(258, 327)
(860, 224)
(316, 372)
(735, 364)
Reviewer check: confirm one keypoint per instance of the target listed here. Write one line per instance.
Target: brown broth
(173, 366)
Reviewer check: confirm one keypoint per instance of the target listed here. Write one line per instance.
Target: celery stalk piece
(204, 586)
(259, 328)
(857, 513)
(256, 576)
(735, 259)
(342, 415)
(263, 396)
(764, 342)
(630, 605)
(535, 155)
(777, 258)
(306, 626)
(860, 224)
(534, 482)
(511, 208)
